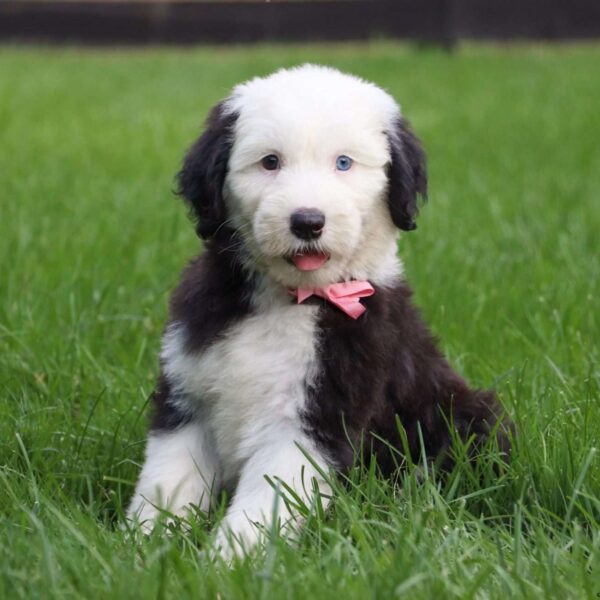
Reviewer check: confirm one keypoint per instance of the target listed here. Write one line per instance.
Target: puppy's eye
(270, 162)
(343, 163)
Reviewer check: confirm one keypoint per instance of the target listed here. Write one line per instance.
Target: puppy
(292, 339)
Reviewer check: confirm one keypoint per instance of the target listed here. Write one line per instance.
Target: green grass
(505, 267)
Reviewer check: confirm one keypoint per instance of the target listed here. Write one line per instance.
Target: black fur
(407, 175)
(167, 414)
(214, 291)
(201, 178)
(386, 365)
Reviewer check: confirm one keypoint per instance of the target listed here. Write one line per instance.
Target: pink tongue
(309, 262)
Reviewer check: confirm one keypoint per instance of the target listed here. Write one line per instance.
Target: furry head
(326, 150)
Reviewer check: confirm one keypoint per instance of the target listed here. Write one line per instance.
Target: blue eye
(270, 162)
(343, 163)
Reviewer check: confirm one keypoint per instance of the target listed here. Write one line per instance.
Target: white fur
(248, 383)
(249, 390)
(180, 469)
(309, 116)
(245, 393)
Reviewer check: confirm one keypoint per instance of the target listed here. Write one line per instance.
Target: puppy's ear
(200, 181)
(407, 175)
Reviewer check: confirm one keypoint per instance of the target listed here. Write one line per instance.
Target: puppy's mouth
(308, 260)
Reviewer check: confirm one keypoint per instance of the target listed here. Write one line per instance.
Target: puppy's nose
(307, 223)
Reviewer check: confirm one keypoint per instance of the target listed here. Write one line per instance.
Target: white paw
(238, 536)
(146, 516)
(143, 514)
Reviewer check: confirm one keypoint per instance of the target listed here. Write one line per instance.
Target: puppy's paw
(237, 536)
(143, 515)
(146, 517)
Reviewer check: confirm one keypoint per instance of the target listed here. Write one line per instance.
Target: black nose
(307, 223)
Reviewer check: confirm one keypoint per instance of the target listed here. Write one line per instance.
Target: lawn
(505, 267)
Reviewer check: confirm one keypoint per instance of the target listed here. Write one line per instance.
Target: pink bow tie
(346, 296)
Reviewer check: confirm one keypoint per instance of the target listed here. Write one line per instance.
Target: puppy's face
(311, 160)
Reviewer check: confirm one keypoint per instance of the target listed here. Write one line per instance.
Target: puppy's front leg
(179, 470)
(257, 502)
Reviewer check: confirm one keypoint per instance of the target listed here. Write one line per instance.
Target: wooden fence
(193, 22)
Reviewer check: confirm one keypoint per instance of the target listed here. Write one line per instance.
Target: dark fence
(165, 22)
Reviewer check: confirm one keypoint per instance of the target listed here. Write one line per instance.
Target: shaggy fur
(253, 382)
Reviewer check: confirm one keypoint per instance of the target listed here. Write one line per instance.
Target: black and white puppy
(299, 182)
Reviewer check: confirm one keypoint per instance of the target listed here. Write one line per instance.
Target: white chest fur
(250, 384)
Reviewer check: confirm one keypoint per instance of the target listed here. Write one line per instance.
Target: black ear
(200, 181)
(407, 175)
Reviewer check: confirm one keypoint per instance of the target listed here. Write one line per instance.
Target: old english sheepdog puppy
(292, 341)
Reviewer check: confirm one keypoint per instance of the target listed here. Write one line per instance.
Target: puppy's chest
(252, 382)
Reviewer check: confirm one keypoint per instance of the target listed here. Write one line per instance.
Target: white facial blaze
(308, 117)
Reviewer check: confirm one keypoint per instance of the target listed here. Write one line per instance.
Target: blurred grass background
(504, 264)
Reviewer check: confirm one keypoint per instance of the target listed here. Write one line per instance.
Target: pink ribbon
(346, 296)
